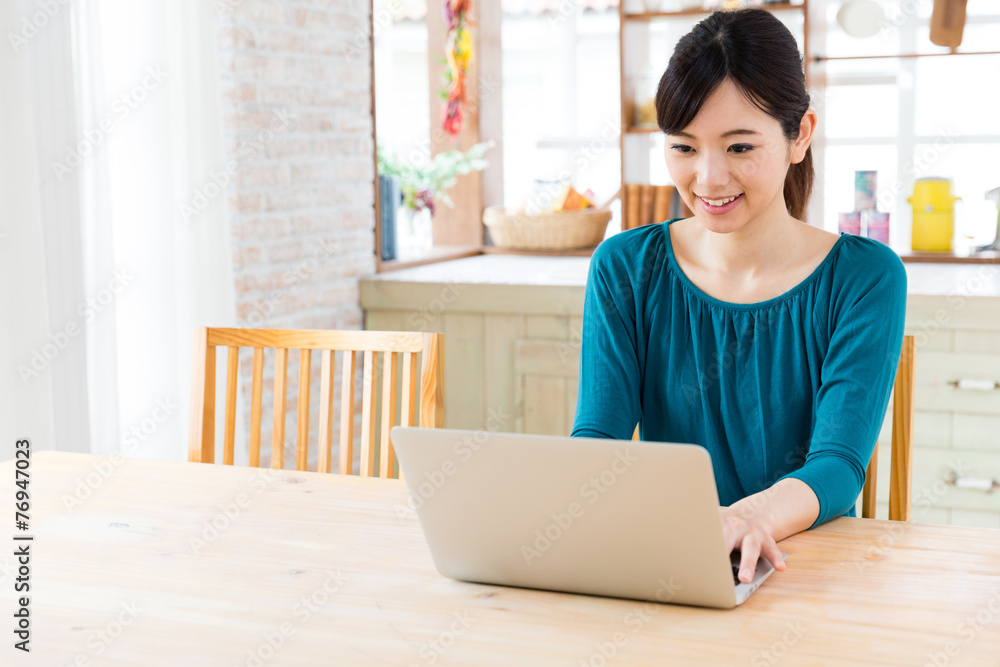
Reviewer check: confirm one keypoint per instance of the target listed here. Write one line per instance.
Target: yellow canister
(933, 214)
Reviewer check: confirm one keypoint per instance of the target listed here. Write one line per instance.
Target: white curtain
(26, 408)
(123, 262)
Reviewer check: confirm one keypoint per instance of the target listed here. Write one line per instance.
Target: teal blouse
(795, 386)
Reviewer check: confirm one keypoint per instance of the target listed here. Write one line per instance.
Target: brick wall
(297, 117)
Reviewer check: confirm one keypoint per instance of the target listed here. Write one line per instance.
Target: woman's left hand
(749, 533)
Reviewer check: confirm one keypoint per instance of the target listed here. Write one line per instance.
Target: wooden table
(181, 564)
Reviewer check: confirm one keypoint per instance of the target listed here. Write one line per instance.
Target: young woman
(770, 342)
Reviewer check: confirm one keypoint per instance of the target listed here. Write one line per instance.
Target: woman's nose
(712, 170)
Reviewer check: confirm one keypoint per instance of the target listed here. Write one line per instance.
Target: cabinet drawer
(930, 490)
(957, 382)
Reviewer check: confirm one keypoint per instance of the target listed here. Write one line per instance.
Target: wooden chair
(901, 475)
(386, 344)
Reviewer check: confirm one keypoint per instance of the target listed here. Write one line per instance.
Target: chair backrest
(380, 348)
(901, 474)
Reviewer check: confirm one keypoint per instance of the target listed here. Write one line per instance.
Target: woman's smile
(720, 205)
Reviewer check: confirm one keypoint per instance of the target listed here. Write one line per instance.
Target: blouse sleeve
(608, 404)
(856, 378)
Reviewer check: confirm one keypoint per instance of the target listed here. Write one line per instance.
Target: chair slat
(409, 388)
(347, 414)
(386, 456)
(201, 430)
(325, 411)
(302, 441)
(900, 473)
(868, 494)
(278, 433)
(257, 389)
(368, 417)
(901, 476)
(229, 443)
(432, 382)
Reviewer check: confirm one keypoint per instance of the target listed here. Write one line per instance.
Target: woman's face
(729, 163)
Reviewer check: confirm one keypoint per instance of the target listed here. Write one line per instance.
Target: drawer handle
(976, 483)
(971, 384)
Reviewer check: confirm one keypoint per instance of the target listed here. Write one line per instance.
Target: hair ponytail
(799, 185)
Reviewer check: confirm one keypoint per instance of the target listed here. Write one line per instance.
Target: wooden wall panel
(463, 371)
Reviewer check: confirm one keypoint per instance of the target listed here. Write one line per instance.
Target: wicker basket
(564, 230)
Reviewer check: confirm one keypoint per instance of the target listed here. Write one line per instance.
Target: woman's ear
(806, 128)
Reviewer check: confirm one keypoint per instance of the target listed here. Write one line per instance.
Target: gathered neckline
(698, 292)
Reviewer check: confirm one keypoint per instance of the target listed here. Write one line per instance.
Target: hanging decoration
(459, 52)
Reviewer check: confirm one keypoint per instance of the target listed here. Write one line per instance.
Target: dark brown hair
(755, 51)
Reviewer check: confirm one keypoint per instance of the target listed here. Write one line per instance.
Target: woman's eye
(681, 148)
(741, 148)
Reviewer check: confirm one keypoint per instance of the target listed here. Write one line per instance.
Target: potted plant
(422, 181)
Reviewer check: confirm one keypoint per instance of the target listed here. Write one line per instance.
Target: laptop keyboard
(736, 572)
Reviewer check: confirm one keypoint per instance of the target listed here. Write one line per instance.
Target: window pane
(598, 106)
(560, 102)
(534, 103)
(401, 95)
(860, 111)
(958, 94)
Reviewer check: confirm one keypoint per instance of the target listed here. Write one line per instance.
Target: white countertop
(925, 279)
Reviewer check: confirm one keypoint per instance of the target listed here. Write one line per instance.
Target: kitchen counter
(534, 273)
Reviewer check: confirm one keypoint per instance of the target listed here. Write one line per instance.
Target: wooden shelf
(982, 257)
(820, 59)
(575, 252)
(697, 11)
(438, 253)
(641, 130)
(447, 252)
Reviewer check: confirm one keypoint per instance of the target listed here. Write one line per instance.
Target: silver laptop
(617, 518)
